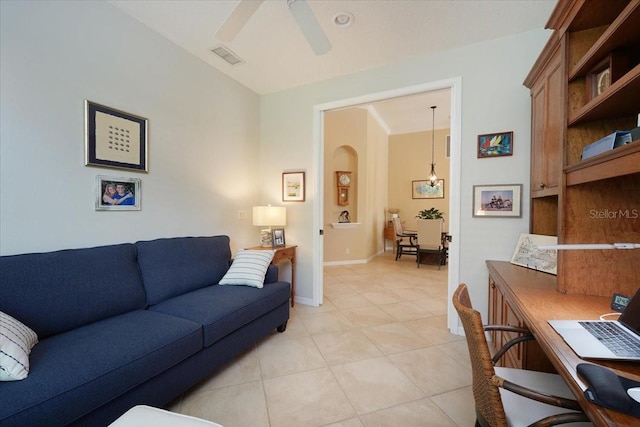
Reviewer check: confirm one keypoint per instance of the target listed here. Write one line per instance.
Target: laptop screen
(630, 317)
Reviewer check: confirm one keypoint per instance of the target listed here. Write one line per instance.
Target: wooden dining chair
(506, 396)
(430, 241)
(405, 243)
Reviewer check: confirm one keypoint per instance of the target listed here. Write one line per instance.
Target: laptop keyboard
(614, 338)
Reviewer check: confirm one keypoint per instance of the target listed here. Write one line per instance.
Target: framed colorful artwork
(495, 145)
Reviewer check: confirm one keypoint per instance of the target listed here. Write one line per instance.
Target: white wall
(203, 131)
(493, 99)
(215, 147)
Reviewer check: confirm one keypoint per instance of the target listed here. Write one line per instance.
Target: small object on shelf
(343, 180)
(619, 302)
(635, 134)
(610, 69)
(530, 252)
(344, 217)
(609, 142)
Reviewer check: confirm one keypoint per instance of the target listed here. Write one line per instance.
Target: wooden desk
(533, 295)
(284, 253)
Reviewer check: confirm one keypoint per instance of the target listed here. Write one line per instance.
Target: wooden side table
(389, 234)
(283, 253)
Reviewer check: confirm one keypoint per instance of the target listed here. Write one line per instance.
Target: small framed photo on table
(277, 237)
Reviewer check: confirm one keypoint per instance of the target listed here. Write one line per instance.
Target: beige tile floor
(376, 353)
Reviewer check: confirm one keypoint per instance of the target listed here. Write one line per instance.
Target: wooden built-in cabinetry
(502, 311)
(596, 200)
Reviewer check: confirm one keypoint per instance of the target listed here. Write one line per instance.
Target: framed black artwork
(115, 139)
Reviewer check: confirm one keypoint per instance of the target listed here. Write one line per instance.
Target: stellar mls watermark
(614, 214)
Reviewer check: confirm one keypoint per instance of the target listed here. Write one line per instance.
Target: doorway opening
(455, 87)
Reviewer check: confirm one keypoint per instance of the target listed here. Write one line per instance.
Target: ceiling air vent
(226, 54)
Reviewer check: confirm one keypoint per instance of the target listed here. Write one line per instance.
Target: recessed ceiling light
(343, 19)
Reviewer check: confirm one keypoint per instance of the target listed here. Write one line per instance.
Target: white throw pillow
(16, 341)
(248, 268)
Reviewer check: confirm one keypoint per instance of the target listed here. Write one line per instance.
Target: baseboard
(346, 262)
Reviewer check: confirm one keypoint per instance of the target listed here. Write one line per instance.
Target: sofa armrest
(272, 274)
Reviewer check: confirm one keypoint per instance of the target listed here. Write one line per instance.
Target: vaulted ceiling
(276, 56)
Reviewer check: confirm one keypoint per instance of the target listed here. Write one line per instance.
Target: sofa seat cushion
(78, 371)
(223, 309)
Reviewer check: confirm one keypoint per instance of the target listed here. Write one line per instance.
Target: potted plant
(431, 213)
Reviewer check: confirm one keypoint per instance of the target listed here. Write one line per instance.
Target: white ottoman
(143, 416)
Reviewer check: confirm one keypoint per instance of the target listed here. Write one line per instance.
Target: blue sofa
(128, 324)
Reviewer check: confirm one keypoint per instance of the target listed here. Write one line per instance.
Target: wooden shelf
(595, 200)
(546, 192)
(617, 162)
(623, 32)
(619, 99)
(576, 16)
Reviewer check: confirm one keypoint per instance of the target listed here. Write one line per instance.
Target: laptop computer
(602, 339)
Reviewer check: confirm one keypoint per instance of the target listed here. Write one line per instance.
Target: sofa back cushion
(172, 267)
(58, 291)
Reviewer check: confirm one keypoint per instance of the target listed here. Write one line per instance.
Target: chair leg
(397, 251)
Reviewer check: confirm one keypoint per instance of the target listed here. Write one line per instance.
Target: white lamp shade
(270, 216)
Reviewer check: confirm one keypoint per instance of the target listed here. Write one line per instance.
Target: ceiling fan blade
(310, 26)
(238, 19)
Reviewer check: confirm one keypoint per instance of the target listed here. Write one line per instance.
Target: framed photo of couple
(117, 194)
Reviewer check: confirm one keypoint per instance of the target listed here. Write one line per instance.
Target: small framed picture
(293, 187)
(277, 237)
(115, 139)
(497, 200)
(495, 145)
(117, 194)
(423, 189)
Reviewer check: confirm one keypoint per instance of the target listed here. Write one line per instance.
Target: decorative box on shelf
(610, 69)
(609, 142)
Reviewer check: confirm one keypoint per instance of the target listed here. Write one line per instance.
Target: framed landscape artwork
(423, 190)
(293, 186)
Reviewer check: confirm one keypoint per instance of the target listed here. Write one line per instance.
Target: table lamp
(269, 216)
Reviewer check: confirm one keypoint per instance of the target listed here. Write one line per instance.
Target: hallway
(376, 353)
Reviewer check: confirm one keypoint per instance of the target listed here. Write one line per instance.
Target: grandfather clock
(343, 181)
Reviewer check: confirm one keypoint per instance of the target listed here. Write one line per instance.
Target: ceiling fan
(301, 12)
